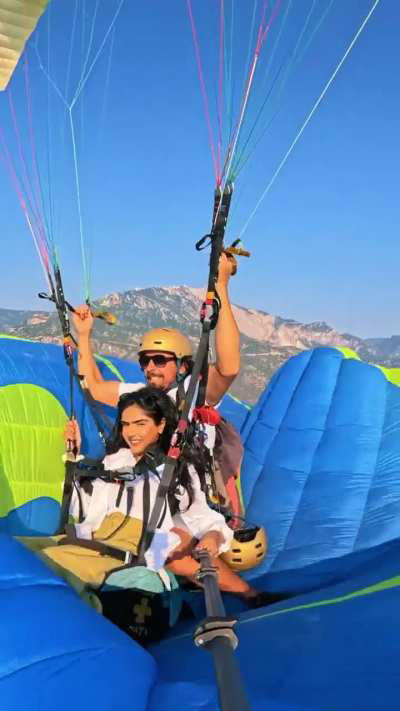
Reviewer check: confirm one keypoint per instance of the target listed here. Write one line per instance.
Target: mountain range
(267, 340)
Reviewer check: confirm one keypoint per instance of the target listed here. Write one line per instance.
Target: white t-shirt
(198, 519)
(209, 430)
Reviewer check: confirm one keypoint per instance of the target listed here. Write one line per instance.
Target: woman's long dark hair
(159, 406)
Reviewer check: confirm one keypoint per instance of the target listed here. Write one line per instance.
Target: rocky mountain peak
(267, 340)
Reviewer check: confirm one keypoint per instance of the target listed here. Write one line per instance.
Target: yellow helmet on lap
(169, 340)
(248, 548)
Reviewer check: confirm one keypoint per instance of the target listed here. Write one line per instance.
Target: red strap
(206, 415)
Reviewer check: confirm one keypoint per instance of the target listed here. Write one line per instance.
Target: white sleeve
(199, 518)
(95, 507)
(125, 388)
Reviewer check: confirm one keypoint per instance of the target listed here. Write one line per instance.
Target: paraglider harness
(118, 606)
(151, 520)
(142, 602)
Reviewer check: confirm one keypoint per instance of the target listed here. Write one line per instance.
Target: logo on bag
(141, 611)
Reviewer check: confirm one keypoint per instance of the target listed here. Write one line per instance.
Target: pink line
(204, 92)
(26, 181)
(40, 246)
(261, 28)
(38, 200)
(261, 36)
(274, 13)
(220, 81)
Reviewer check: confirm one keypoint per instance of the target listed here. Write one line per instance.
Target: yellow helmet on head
(166, 339)
(248, 548)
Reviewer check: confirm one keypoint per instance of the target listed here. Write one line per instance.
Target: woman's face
(139, 430)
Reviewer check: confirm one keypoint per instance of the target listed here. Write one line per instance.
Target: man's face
(159, 368)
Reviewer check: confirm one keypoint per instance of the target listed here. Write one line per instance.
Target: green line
(391, 374)
(377, 587)
(314, 31)
(271, 57)
(236, 399)
(17, 338)
(110, 366)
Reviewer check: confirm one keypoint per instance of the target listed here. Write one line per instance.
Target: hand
(82, 320)
(72, 434)
(227, 267)
(210, 543)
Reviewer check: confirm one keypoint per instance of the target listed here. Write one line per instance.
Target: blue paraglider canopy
(321, 472)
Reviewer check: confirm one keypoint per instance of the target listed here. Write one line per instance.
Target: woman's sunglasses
(160, 361)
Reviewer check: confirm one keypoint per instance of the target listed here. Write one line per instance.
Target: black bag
(144, 616)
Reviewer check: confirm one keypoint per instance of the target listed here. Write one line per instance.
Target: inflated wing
(18, 19)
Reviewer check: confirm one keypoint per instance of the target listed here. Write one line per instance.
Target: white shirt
(198, 519)
(209, 430)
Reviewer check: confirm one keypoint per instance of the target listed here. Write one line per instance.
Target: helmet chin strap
(180, 376)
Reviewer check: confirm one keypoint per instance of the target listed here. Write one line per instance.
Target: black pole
(216, 634)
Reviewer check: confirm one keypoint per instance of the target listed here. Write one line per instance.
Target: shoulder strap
(146, 514)
(69, 480)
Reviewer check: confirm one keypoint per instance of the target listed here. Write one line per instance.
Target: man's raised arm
(223, 372)
(105, 391)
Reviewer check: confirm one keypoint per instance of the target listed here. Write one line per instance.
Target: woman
(114, 512)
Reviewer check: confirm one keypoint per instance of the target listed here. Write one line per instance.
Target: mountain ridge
(267, 340)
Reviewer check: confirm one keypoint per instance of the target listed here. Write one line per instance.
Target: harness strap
(78, 493)
(146, 514)
(69, 480)
(180, 394)
(72, 539)
(119, 496)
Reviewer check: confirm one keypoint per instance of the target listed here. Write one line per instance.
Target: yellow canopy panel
(18, 19)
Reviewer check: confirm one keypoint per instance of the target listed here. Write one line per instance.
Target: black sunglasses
(160, 361)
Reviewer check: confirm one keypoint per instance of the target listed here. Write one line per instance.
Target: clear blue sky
(325, 241)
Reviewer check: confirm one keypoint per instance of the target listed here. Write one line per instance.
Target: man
(164, 354)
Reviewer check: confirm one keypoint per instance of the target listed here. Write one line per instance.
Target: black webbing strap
(72, 473)
(81, 513)
(72, 539)
(119, 496)
(68, 487)
(146, 513)
(174, 453)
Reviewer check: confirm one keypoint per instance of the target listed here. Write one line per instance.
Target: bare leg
(181, 562)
